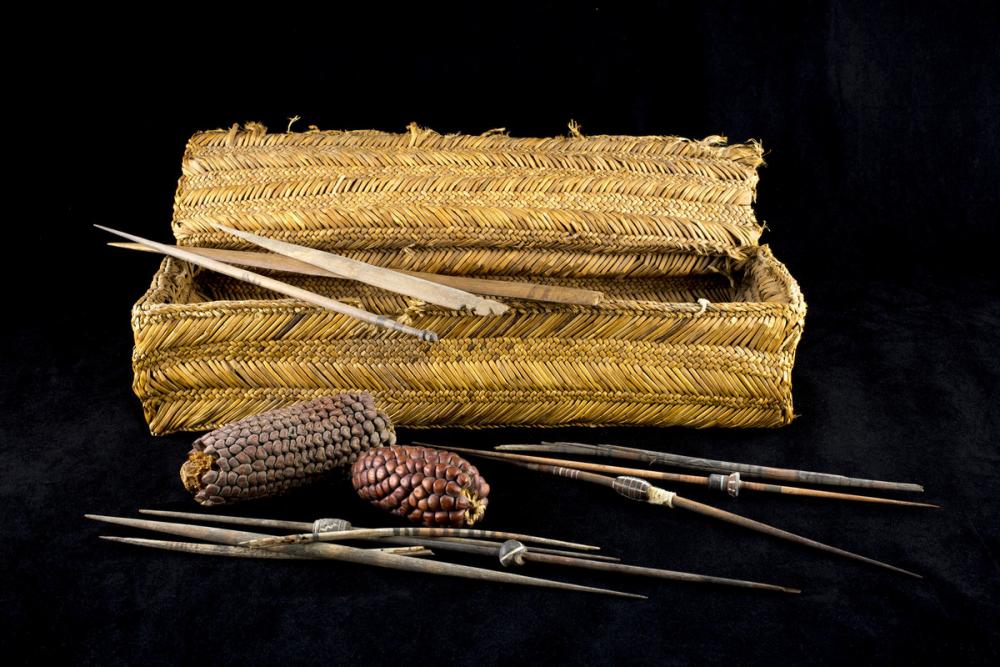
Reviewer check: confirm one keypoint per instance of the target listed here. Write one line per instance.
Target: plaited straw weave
(657, 223)
(200, 363)
(487, 204)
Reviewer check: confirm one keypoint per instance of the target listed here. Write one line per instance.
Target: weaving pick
(243, 552)
(482, 286)
(512, 550)
(278, 286)
(374, 557)
(710, 465)
(387, 279)
(731, 484)
(641, 490)
(309, 530)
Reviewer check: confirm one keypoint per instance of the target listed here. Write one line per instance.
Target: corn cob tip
(477, 507)
(198, 464)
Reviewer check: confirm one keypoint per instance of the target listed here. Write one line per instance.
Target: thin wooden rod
(280, 287)
(728, 483)
(243, 552)
(373, 557)
(666, 458)
(635, 488)
(311, 528)
(376, 276)
(514, 552)
(483, 286)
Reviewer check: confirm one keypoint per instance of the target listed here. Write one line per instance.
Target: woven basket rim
(150, 305)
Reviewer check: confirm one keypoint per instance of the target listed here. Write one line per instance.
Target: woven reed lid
(486, 204)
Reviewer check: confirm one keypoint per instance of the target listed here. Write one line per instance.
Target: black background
(880, 194)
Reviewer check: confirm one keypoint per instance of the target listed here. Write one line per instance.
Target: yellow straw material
(698, 325)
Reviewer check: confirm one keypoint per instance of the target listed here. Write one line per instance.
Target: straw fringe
(711, 148)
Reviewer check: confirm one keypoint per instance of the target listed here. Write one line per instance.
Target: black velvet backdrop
(880, 194)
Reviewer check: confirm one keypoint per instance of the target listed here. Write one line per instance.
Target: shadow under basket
(698, 351)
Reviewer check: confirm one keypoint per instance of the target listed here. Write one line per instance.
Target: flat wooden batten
(387, 279)
(501, 288)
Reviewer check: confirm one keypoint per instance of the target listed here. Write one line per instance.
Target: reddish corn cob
(429, 486)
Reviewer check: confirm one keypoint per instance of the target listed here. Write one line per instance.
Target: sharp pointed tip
(900, 570)
(910, 503)
(618, 594)
(111, 538)
(793, 591)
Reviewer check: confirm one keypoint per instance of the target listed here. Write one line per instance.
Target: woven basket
(656, 223)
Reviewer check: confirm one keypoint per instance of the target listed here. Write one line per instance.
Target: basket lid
(486, 204)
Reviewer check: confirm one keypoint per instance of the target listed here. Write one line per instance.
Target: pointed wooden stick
(280, 287)
(352, 555)
(483, 286)
(206, 549)
(243, 552)
(731, 484)
(306, 526)
(639, 489)
(636, 570)
(414, 550)
(517, 553)
(538, 550)
(370, 533)
(321, 525)
(725, 467)
(376, 276)
(275, 524)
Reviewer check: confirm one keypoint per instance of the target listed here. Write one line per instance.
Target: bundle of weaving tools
(276, 451)
(320, 540)
(441, 290)
(633, 484)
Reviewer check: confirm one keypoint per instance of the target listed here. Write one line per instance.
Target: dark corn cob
(276, 451)
(425, 485)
